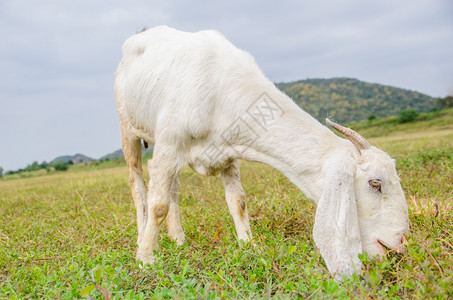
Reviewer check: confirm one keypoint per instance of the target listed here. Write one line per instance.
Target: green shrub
(407, 116)
(61, 167)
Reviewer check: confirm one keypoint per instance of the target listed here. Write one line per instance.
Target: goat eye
(376, 184)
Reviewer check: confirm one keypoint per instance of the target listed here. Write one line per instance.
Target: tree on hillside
(371, 118)
(1, 172)
(407, 116)
(61, 166)
(446, 102)
(34, 166)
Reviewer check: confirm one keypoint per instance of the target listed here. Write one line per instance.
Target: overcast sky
(58, 58)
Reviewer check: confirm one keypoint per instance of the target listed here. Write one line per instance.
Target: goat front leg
(162, 171)
(235, 198)
(174, 227)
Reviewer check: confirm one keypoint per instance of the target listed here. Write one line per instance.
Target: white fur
(202, 102)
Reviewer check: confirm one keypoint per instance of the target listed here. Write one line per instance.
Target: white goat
(205, 103)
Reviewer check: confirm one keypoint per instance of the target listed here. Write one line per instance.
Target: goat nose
(401, 248)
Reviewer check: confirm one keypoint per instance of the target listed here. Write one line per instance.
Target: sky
(58, 58)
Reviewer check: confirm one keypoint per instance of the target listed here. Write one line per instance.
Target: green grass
(73, 235)
(437, 120)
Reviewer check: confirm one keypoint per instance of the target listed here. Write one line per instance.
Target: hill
(77, 158)
(119, 153)
(351, 100)
(114, 155)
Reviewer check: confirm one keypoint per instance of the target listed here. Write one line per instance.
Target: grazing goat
(203, 102)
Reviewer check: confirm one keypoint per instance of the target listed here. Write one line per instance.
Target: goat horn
(359, 141)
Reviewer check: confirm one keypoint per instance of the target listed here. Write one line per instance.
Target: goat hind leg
(133, 154)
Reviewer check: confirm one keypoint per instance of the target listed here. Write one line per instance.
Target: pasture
(73, 234)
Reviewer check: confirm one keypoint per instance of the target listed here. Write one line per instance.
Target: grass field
(73, 234)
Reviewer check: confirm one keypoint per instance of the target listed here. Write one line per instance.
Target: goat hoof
(180, 242)
(145, 259)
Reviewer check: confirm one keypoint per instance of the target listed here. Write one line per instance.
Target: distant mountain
(77, 158)
(113, 155)
(119, 153)
(349, 99)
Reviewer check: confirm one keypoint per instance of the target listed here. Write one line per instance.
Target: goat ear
(336, 231)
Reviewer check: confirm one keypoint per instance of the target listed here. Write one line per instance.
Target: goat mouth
(399, 249)
(382, 248)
